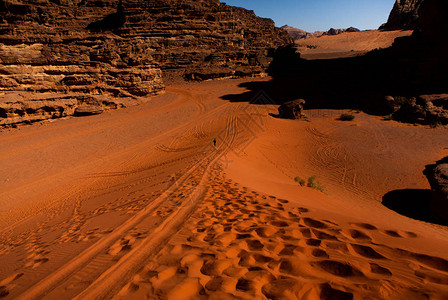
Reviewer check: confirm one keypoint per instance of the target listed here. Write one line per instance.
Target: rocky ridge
(298, 34)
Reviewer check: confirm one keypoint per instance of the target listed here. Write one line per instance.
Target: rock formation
(119, 48)
(292, 109)
(298, 34)
(295, 33)
(425, 109)
(437, 175)
(404, 15)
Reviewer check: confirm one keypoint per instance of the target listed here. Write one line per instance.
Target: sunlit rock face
(124, 48)
(193, 39)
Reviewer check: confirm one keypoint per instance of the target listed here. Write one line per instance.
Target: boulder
(88, 110)
(292, 109)
(437, 175)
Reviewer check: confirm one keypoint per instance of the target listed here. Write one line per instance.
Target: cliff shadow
(412, 203)
(360, 82)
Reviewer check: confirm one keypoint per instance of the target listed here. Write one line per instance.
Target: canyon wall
(123, 49)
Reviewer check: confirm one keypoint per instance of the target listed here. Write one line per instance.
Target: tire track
(148, 245)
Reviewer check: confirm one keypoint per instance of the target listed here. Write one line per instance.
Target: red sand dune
(138, 203)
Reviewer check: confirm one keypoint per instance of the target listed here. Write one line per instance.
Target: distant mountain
(298, 34)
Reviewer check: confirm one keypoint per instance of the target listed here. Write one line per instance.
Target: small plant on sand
(300, 181)
(312, 183)
(346, 117)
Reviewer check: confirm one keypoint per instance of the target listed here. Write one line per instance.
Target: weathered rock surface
(195, 39)
(119, 48)
(404, 15)
(437, 175)
(27, 107)
(292, 109)
(425, 109)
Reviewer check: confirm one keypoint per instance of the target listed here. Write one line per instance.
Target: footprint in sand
(365, 226)
(6, 284)
(125, 244)
(366, 251)
(340, 269)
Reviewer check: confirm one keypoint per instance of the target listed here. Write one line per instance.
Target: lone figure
(214, 142)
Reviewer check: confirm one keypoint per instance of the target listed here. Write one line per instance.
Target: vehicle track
(172, 219)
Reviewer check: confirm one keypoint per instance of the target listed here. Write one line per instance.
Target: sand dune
(347, 44)
(139, 204)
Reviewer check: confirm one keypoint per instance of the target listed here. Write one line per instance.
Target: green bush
(346, 117)
(312, 183)
(300, 181)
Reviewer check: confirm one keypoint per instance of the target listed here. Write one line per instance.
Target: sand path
(138, 203)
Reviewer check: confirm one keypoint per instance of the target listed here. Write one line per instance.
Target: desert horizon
(184, 149)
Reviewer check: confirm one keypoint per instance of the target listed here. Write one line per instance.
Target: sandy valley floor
(138, 203)
(347, 44)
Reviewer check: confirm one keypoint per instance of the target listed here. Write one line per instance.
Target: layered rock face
(120, 48)
(207, 39)
(404, 15)
(46, 48)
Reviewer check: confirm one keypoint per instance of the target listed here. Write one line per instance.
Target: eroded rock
(437, 175)
(425, 109)
(292, 109)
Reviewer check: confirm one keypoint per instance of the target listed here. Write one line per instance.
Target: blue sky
(314, 15)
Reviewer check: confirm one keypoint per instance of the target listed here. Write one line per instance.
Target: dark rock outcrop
(437, 175)
(404, 15)
(292, 109)
(425, 109)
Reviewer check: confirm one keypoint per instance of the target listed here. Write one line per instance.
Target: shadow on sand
(412, 203)
(412, 66)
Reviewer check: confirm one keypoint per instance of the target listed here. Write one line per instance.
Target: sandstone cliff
(121, 48)
(404, 15)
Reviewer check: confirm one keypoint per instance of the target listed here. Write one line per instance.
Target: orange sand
(138, 204)
(347, 44)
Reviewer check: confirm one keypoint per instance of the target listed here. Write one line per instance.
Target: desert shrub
(312, 183)
(300, 181)
(388, 118)
(346, 117)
